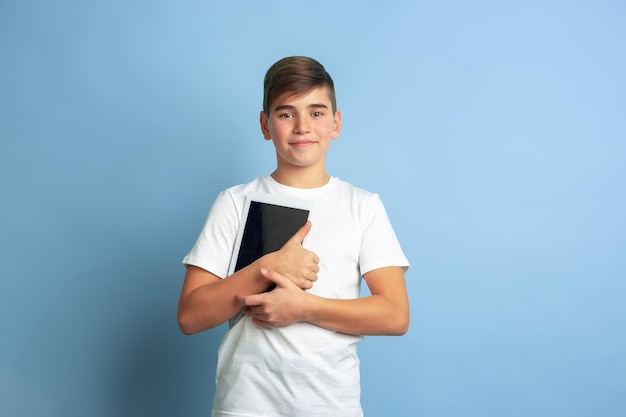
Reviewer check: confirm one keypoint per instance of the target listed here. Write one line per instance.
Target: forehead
(317, 95)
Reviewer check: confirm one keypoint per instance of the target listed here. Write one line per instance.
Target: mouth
(302, 143)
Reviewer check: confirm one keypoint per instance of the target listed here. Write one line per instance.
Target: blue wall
(494, 132)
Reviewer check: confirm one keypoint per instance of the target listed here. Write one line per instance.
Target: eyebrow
(310, 106)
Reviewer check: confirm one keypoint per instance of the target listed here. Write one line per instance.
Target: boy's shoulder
(359, 192)
(245, 187)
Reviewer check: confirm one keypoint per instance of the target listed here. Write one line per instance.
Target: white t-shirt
(299, 370)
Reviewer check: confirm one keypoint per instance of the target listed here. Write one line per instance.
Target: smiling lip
(301, 144)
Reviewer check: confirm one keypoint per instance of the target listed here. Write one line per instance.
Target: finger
(301, 233)
(253, 300)
(276, 278)
(241, 299)
(261, 323)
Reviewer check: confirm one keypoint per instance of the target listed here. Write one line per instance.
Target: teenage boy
(294, 351)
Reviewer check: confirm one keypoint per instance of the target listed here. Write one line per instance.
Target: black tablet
(268, 221)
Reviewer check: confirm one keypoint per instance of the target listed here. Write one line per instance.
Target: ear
(265, 126)
(337, 125)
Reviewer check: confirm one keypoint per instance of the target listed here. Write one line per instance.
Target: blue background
(494, 132)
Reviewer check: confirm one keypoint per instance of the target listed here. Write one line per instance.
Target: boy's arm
(385, 312)
(206, 301)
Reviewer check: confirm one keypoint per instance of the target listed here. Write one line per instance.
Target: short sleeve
(379, 247)
(213, 248)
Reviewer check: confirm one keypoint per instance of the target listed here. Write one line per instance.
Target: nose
(302, 126)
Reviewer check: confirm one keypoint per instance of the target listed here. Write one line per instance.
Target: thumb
(299, 236)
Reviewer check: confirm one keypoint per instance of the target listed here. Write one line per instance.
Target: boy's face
(301, 128)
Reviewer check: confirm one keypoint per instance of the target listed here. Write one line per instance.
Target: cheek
(279, 129)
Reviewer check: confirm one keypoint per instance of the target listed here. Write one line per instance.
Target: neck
(301, 179)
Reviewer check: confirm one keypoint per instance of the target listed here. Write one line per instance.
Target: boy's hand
(280, 307)
(295, 262)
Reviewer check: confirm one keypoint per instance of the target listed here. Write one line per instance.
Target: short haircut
(296, 75)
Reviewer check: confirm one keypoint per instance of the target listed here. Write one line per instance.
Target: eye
(285, 116)
(317, 114)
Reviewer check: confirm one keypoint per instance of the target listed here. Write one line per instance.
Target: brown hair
(295, 75)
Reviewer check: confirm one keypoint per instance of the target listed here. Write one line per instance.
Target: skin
(206, 301)
(301, 129)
